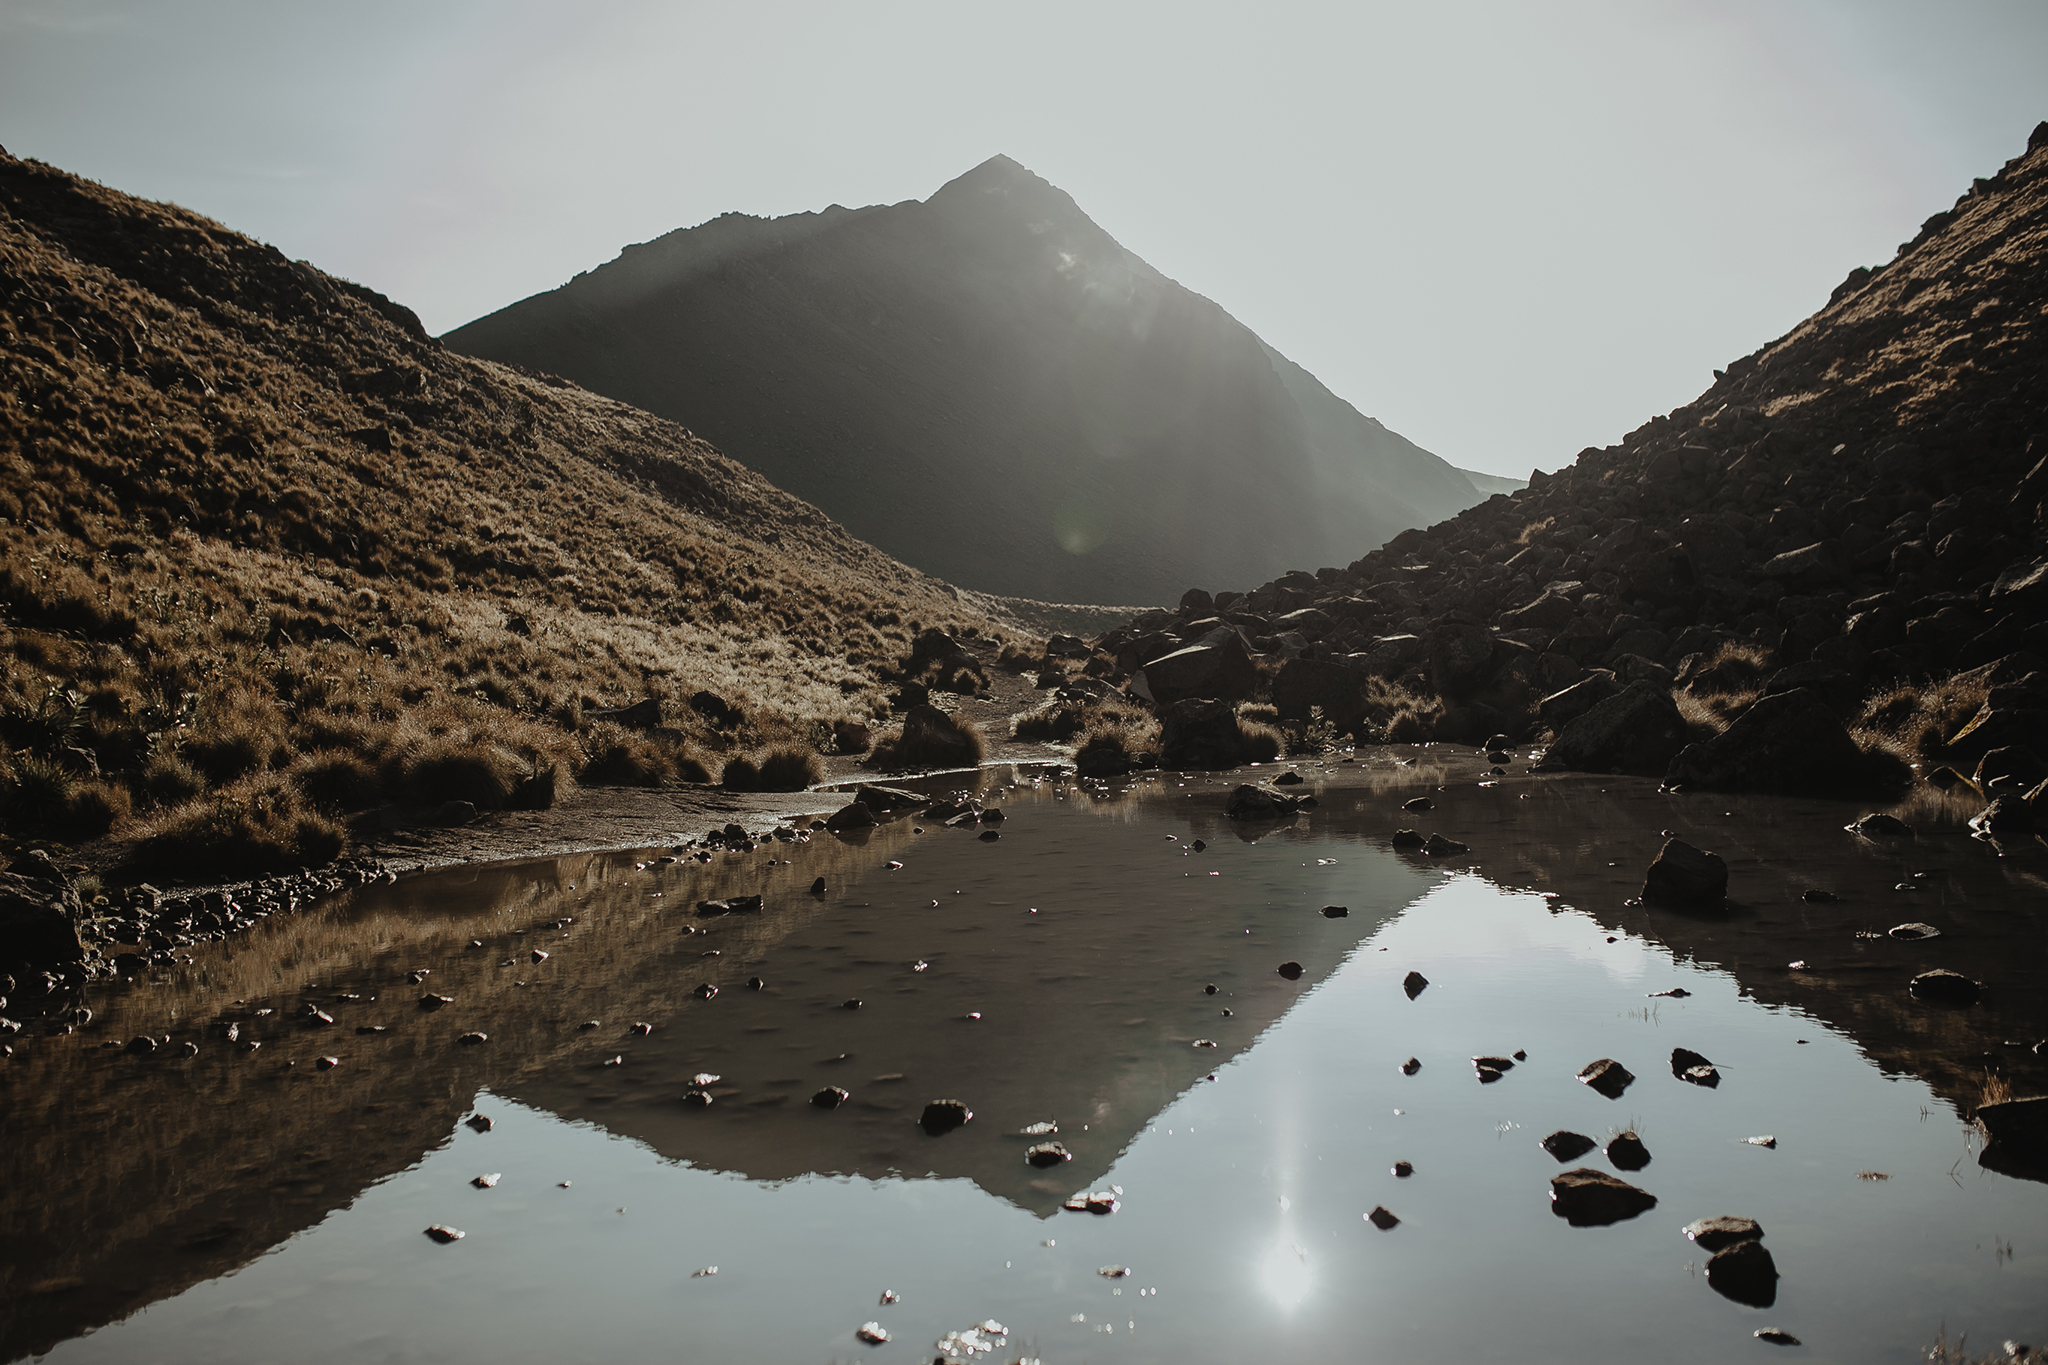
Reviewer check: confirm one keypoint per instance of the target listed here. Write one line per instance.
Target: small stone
(890, 1296)
(1290, 970)
(705, 991)
(1115, 1272)
(831, 1097)
(1778, 1338)
(1944, 987)
(643, 1029)
(1403, 1169)
(1382, 1219)
(445, 1235)
(1047, 1154)
(1209, 989)
(1722, 1231)
(1914, 930)
(472, 1039)
(1411, 1066)
(1818, 897)
(1684, 875)
(539, 955)
(818, 887)
(485, 1182)
(1205, 1042)
(1414, 984)
(480, 1122)
(366, 1030)
(1566, 1145)
(1438, 846)
(1627, 1152)
(1764, 1141)
(1418, 803)
(588, 1024)
(1607, 1076)
(430, 1001)
(327, 1063)
(1745, 1273)
(849, 1004)
(188, 1050)
(943, 1116)
(1198, 846)
(700, 1099)
(1336, 911)
(1590, 1198)
(755, 983)
(873, 1333)
(318, 1018)
(418, 974)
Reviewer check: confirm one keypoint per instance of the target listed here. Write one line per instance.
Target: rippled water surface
(232, 1207)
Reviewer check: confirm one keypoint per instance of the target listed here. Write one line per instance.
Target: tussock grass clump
(790, 768)
(1259, 733)
(262, 824)
(45, 794)
(1917, 720)
(450, 769)
(1117, 742)
(930, 738)
(1398, 715)
(334, 780)
(1735, 667)
(618, 757)
(1709, 713)
(1054, 724)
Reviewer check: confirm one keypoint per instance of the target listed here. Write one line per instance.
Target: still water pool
(248, 1206)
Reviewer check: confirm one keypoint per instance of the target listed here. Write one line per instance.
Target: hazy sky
(1506, 228)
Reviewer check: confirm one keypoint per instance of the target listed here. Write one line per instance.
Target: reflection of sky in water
(1244, 1200)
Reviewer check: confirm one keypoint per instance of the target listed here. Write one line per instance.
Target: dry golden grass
(930, 738)
(1916, 721)
(254, 523)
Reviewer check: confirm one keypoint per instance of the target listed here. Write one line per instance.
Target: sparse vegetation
(1917, 721)
(931, 738)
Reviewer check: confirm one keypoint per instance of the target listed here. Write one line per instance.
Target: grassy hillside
(269, 554)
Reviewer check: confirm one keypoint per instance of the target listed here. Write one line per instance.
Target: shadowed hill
(987, 385)
(1858, 510)
(269, 554)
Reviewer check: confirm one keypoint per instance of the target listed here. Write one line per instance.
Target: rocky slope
(1853, 513)
(989, 386)
(269, 555)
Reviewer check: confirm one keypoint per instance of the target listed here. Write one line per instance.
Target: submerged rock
(1046, 1154)
(1745, 1273)
(831, 1097)
(1589, 1198)
(1382, 1219)
(1411, 1066)
(943, 1116)
(1566, 1145)
(1684, 875)
(444, 1235)
(1944, 987)
(1437, 846)
(1290, 970)
(1407, 839)
(1254, 803)
(1627, 1152)
(1879, 826)
(1914, 930)
(1607, 1076)
(729, 905)
(1415, 983)
(1722, 1231)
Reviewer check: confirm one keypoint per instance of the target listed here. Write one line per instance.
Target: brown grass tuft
(930, 738)
(262, 824)
(1917, 720)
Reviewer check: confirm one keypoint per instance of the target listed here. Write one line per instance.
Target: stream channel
(255, 1206)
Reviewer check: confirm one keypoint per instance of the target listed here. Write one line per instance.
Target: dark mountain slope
(1856, 509)
(269, 553)
(987, 385)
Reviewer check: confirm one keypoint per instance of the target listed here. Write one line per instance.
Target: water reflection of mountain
(127, 1179)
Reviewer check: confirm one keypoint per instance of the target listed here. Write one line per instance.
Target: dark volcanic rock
(1684, 875)
(1637, 730)
(1723, 1231)
(1589, 1198)
(1792, 742)
(1568, 1146)
(1627, 1152)
(1745, 1273)
(943, 1116)
(1607, 1076)
(1944, 987)
(1256, 803)
(1202, 733)
(850, 817)
(1415, 983)
(1223, 670)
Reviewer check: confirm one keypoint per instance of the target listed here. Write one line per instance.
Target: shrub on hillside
(263, 824)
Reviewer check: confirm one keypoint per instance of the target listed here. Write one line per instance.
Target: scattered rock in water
(1879, 826)
(1415, 983)
(1115, 1272)
(849, 817)
(1775, 1336)
(480, 1122)
(705, 991)
(1722, 1231)
(1252, 803)
(1198, 846)
(643, 1029)
(849, 1004)
(1045, 1154)
(1418, 803)
(326, 1063)
(1566, 1145)
(1042, 1128)
(1764, 1140)
(1684, 1061)
(1684, 875)
(1627, 1152)
(730, 905)
(1944, 987)
(444, 1235)
(1403, 1169)
(1607, 1076)
(141, 1045)
(366, 1030)
(1209, 989)
(1408, 839)
(989, 836)
(1411, 1066)
(1206, 1042)
(696, 1098)
(188, 1050)
(1588, 1198)
(1336, 911)
(320, 1018)
(1290, 970)
(588, 1024)
(1675, 993)
(873, 1333)
(1819, 897)
(418, 974)
(943, 1116)
(992, 816)
(1437, 846)
(1914, 930)
(430, 1001)
(1288, 779)
(473, 1039)
(1102, 1202)
(705, 1079)
(1495, 1063)
(755, 983)
(485, 1182)
(1382, 1219)
(2008, 814)
(890, 1296)
(818, 886)
(539, 956)
(831, 1097)
(1745, 1273)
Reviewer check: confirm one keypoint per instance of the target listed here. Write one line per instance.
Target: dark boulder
(1791, 743)
(716, 709)
(1222, 669)
(850, 817)
(1745, 1273)
(1627, 1152)
(1200, 732)
(1415, 983)
(1944, 987)
(1304, 683)
(943, 1116)
(1588, 1198)
(2013, 767)
(1684, 875)
(1638, 730)
(2005, 815)
(1457, 657)
(1723, 1231)
(1566, 1145)
(1256, 803)
(38, 923)
(1608, 1077)
(641, 715)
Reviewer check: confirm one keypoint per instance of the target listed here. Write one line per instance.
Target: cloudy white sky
(1507, 228)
